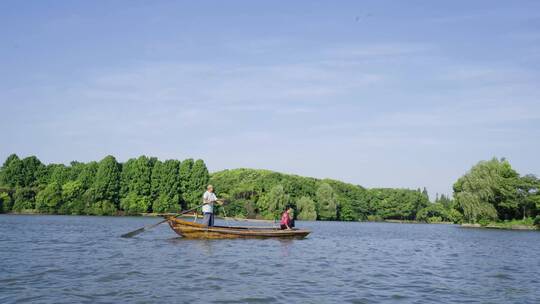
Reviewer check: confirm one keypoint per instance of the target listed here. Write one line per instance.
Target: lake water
(67, 259)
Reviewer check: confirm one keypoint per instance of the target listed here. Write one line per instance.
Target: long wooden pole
(148, 227)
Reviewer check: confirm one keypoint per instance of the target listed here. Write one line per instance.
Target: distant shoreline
(500, 226)
(412, 222)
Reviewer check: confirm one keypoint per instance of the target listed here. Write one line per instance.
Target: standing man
(209, 198)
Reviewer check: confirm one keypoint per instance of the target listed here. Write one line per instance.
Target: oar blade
(141, 230)
(133, 233)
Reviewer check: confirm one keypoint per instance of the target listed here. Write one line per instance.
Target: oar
(143, 229)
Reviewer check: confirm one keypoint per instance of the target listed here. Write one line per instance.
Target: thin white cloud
(381, 50)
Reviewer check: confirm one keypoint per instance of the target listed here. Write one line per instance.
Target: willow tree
(272, 203)
(306, 209)
(487, 191)
(326, 202)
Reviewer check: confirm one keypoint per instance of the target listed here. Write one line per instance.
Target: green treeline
(490, 191)
(107, 187)
(264, 193)
(146, 184)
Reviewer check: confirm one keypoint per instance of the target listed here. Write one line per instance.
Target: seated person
(286, 218)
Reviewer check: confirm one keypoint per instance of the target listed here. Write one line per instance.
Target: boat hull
(198, 231)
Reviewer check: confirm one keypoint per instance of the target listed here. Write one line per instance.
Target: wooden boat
(193, 230)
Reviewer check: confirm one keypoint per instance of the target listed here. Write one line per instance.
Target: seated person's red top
(285, 220)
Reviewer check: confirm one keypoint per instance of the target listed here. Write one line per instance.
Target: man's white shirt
(208, 199)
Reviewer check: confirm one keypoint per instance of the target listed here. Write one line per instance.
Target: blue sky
(376, 93)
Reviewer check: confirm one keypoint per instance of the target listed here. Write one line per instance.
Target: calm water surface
(66, 259)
